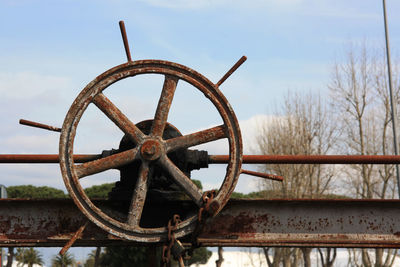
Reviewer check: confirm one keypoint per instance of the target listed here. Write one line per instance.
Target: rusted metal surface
(103, 164)
(139, 196)
(114, 114)
(150, 148)
(125, 40)
(78, 234)
(43, 158)
(263, 175)
(182, 180)
(332, 223)
(324, 223)
(215, 134)
(39, 125)
(164, 105)
(309, 159)
(197, 138)
(231, 70)
(311, 223)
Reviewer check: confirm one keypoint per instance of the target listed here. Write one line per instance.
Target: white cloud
(31, 143)
(250, 129)
(30, 84)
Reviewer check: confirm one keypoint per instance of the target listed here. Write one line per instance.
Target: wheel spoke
(182, 180)
(197, 138)
(164, 104)
(139, 196)
(114, 114)
(103, 164)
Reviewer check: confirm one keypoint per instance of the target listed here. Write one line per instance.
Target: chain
(202, 217)
(173, 243)
(166, 253)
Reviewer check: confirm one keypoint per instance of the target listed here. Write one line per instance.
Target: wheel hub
(151, 150)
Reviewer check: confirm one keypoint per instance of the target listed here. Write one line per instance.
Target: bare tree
(218, 263)
(301, 127)
(286, 257)
(360, 97)
(328, 257)
(10, 256)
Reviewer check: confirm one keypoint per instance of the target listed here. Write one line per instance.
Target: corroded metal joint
(151, 150)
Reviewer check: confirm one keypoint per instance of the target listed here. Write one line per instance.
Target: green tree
(29, 256)
(62, 260)
(30, 191)
(124, 257)
(99, 191)
(200, 256)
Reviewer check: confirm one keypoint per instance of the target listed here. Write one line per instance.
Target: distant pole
(3, 194)
(392, 96)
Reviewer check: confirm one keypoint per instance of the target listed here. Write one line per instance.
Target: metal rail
(309, 159)
(311, 223)
(222, 159)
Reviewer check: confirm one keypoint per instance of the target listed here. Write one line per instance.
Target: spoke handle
(125, 40)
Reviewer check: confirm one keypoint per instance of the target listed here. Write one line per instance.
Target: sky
(50, 50)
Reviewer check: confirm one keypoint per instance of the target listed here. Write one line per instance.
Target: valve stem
(125, 39)
(39, 125)
(263, 175)
(235, 67)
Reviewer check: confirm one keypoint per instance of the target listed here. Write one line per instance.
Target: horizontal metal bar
(222, 159)
(310, 223)
(310, 159)
(43, 158)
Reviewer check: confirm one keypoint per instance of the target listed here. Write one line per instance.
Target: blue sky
(49, 50)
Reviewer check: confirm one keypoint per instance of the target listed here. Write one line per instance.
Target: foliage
(236, 195)
(197, 183)
(28, 256)
(63, 260)
(271, 194)
(30, 191)
(124, 257)
(200, 256)
(99, 191)
(139, 256)
(91, 260)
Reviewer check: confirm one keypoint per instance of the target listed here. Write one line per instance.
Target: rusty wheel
(150, 148)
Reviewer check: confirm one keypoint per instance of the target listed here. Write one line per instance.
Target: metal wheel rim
(98, 85)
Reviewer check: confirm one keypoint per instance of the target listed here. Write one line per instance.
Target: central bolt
(151, 150)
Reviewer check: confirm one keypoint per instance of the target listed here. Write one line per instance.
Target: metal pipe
(43, 158)
(392, 96)
(263, 175)
(308, 159)
(221, 159)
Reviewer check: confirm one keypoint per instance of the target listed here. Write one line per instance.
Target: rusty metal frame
(310, 223)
